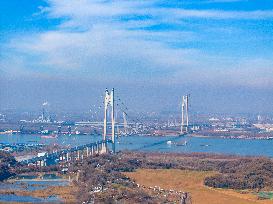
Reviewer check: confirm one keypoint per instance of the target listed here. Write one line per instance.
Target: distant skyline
(152, 51)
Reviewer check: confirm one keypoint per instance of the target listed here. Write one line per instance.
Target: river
(148, 143)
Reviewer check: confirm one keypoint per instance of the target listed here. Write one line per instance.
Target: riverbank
(242, 137)
(141, 177)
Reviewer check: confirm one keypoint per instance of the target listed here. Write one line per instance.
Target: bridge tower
(185, 114)
(109, 101)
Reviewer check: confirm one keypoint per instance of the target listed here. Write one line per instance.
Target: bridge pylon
(109, 101)
(185, 114)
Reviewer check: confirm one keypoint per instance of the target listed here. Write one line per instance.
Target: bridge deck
(64, 151)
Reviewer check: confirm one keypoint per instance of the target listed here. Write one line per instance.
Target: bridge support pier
(74, 156)
(95, 149)
(43, 162)
(87, 152)
(40, 163)
(67, 156)
(103, 148)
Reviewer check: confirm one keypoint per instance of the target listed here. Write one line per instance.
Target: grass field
(192, 181)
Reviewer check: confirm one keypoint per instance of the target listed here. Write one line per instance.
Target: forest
(7, 162)
(248, 173)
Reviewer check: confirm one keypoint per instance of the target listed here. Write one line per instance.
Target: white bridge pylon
(109, 102)
(185, 114)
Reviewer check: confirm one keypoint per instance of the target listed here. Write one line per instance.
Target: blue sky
(177, 46)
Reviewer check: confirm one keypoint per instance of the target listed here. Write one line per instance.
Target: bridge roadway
(65, 154)
(162, 142)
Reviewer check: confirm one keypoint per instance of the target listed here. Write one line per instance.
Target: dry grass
(66, 193)
(192, 181)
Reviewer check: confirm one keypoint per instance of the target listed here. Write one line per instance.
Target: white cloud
(220, 14)
(94, 10)
(94, 41)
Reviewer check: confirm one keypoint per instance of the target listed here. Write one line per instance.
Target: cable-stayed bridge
(108, 141)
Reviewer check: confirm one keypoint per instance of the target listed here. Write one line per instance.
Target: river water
(30, 184)
(148, 143)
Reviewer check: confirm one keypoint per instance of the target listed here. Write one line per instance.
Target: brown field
(192, 181)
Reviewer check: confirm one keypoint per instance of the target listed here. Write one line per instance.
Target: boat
(204, 145)
(182, 144)
(169, 142)
(49, 136)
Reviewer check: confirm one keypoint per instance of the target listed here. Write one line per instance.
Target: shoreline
(243, 137)
(230, 137)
